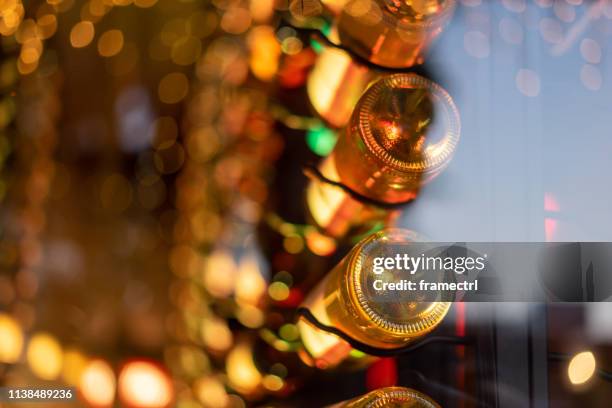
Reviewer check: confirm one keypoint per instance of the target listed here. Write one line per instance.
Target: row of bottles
(396, 131)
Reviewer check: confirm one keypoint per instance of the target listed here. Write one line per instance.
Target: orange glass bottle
(398, 397)
(402, 134)
(388, 33)
(393, 33)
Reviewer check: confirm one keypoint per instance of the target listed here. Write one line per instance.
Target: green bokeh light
(321, 140)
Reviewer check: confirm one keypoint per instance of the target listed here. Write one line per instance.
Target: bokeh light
(45, 356)
(98, 384)
(241, 370)
(581, 367)
(82, 34)
(528, 82)
(73, 367)
(11, 339)
(110, 43)
(143, 384)
(173, 88)
(211, 392)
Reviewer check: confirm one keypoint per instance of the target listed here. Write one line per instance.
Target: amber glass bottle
(387, 33)
(402, 134)
(345, 299)
(390, 397)
(393, 33)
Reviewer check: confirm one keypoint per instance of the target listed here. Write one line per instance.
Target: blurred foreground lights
(97, 385)
(74, 366)
(278, 291)
(273, 382)
(581, 368)
(220, 273)
(216, 335)
(264, 52)
(320, 244)
(173, 88)
(241, 370)
(250, 316)
(250, 284)
(211, 392)
(11, 339)
(110, 43)
(45, 356)
(143, 384)
(82, 34)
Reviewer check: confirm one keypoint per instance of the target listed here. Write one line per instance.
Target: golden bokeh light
(273, 382)
(99, 8)
(220, 274)
(31, 51)
(143, 384)
(10, 16)
(250, 284)
(110, 43)
(250, 316)
(45, 356)
(211, 392)
(74, 365)
(11, 339)
(236, 20)
(216, 334)
(581, 368)
(47, 25)
(264, 52)
(261, 10)
(241, 370)
(320, 244)
(97, 384)
(82, 34)
(173, 88)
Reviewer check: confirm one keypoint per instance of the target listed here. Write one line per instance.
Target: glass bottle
(393, 33)
(390, 397)
(402, 134)
(346, 300)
